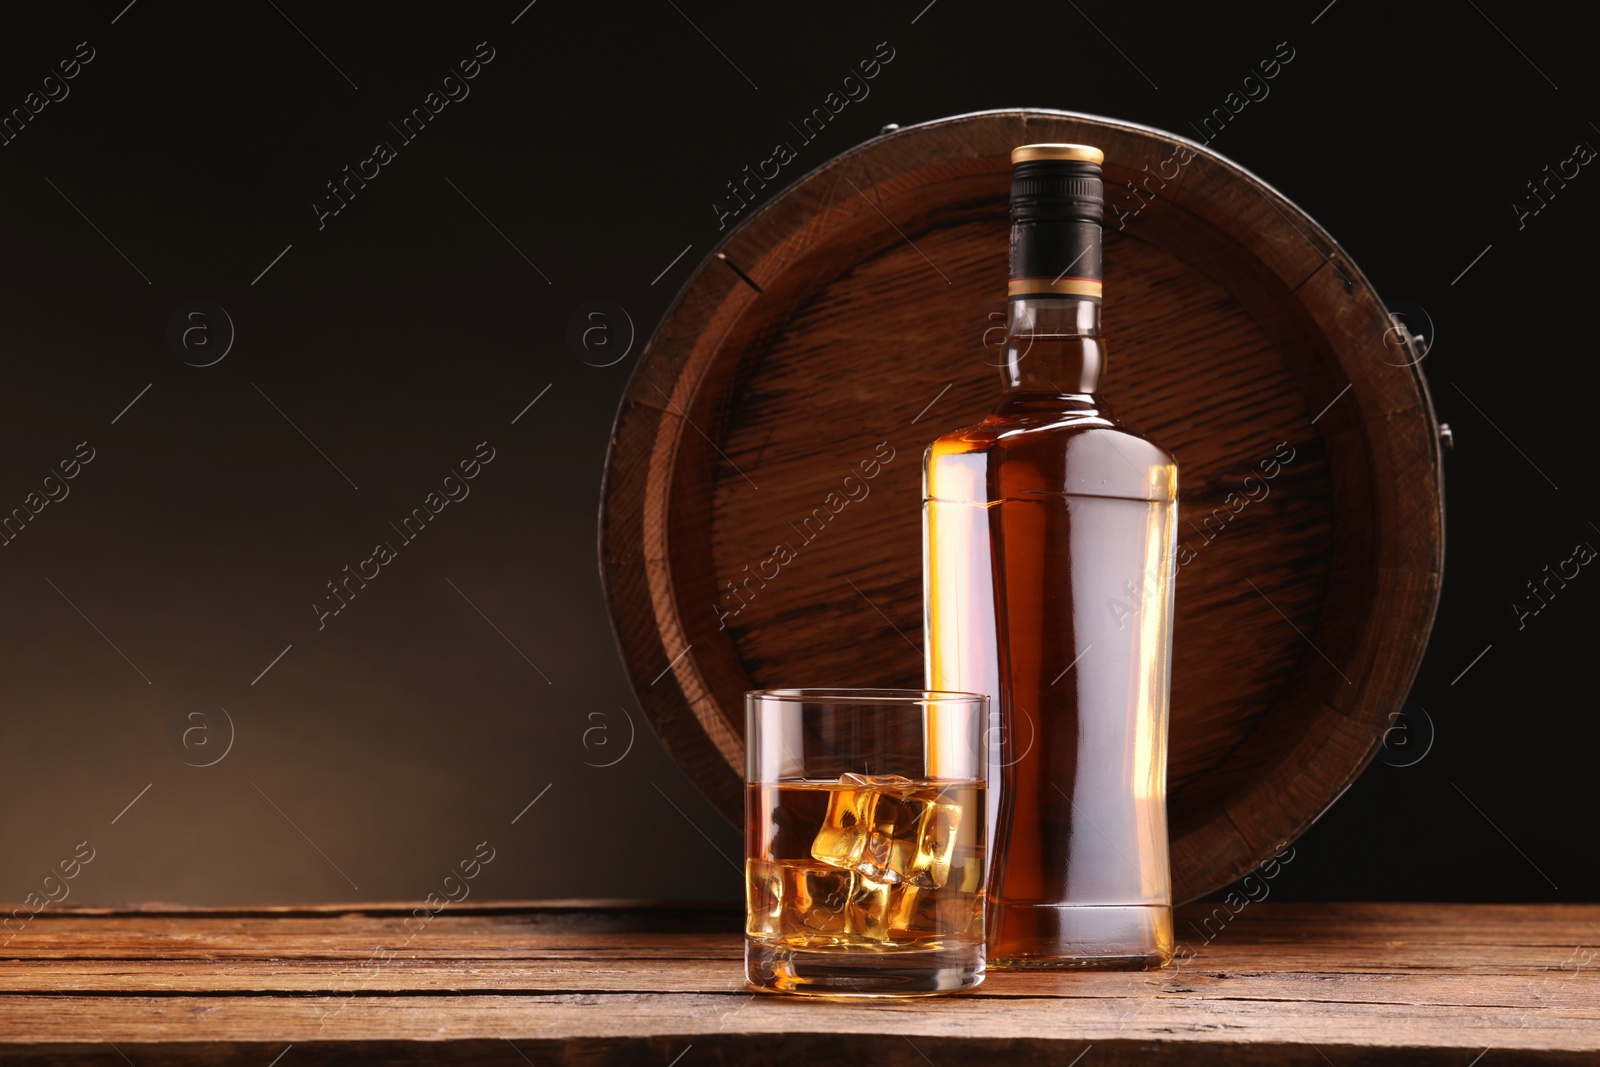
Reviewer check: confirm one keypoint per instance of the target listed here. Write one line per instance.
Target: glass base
(775, 967)
(1058, 937)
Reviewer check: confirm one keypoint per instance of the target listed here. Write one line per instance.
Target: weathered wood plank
(1484, 986)
(560, 1017)
(569, 984)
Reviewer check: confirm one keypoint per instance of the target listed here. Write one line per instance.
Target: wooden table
(624, 982)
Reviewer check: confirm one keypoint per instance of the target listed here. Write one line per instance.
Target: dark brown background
(410, 329)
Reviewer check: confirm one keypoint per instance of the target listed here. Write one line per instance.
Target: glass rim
(867, 695)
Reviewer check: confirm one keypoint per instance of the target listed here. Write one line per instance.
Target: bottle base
(835, 972)
(1054, 937)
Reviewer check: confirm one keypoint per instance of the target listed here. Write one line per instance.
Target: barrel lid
(760, 520)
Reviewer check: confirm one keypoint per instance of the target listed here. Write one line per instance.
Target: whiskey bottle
(1049, 542)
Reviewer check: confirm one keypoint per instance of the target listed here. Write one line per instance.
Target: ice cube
(839, 840)
(763, 889)
(952, 910)
(894, 823)
(911, 840)
(889, 830)
(811, 903)
(966, 870)
(869, 908)
(843, 836)
(920, 913)
(935, 845)
(815, 900)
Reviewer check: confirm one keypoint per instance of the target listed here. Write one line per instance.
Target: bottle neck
(1053, 351)
(1053, 348)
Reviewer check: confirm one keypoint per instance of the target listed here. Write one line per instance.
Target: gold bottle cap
(1080, 153)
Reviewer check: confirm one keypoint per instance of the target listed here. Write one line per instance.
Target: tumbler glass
(865, 841)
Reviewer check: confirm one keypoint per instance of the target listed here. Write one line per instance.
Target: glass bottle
(1049, 547)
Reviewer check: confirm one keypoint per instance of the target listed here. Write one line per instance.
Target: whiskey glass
(866, 841)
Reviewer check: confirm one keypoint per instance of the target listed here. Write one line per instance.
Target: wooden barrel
(761, 513)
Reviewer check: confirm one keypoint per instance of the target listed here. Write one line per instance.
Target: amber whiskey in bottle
(1049, 546)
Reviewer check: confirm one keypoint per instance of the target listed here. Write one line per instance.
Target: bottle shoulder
(1043, 433)
(1070, 453)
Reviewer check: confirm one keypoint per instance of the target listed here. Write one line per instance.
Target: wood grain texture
(569, 984)
(1237, 327)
